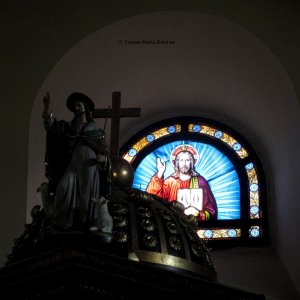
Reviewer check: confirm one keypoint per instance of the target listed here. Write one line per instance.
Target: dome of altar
(155, 230)
(159, 233)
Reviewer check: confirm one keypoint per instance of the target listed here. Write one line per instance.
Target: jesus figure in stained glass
(185, 184)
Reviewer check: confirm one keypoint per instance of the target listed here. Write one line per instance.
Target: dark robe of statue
(77, 165)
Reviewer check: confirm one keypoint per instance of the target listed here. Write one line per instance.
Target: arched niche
(180, 63)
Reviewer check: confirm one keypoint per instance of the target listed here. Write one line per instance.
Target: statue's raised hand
(47, 109)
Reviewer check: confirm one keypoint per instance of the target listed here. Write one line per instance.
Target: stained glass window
(229, 168)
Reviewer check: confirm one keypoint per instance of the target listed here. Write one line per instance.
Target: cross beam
(115, 114)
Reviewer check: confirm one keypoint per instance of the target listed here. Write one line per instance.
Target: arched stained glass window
(228, 197)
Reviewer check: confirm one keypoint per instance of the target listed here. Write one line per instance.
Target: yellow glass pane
(225, 138)
(143, 142)
(254, 195)
(224, 233)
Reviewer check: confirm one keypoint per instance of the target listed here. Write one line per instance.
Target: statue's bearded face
(79, 108)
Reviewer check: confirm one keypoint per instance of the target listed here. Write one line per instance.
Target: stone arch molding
(169, 63)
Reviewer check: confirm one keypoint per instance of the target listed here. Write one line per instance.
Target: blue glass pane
(236, 146)
(232, 233)
(171, 129)
(218, 134)
(249, 166)
(254, 209)
(254, 232)
(253, 187)
(150, 138)
(208, 233)
(212, 164)
(196, 128)
(132, 152)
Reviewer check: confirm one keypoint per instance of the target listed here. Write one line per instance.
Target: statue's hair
(88, 113)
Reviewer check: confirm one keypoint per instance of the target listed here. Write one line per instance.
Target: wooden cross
(115, 113)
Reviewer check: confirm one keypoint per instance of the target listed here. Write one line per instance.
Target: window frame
(248, 222)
